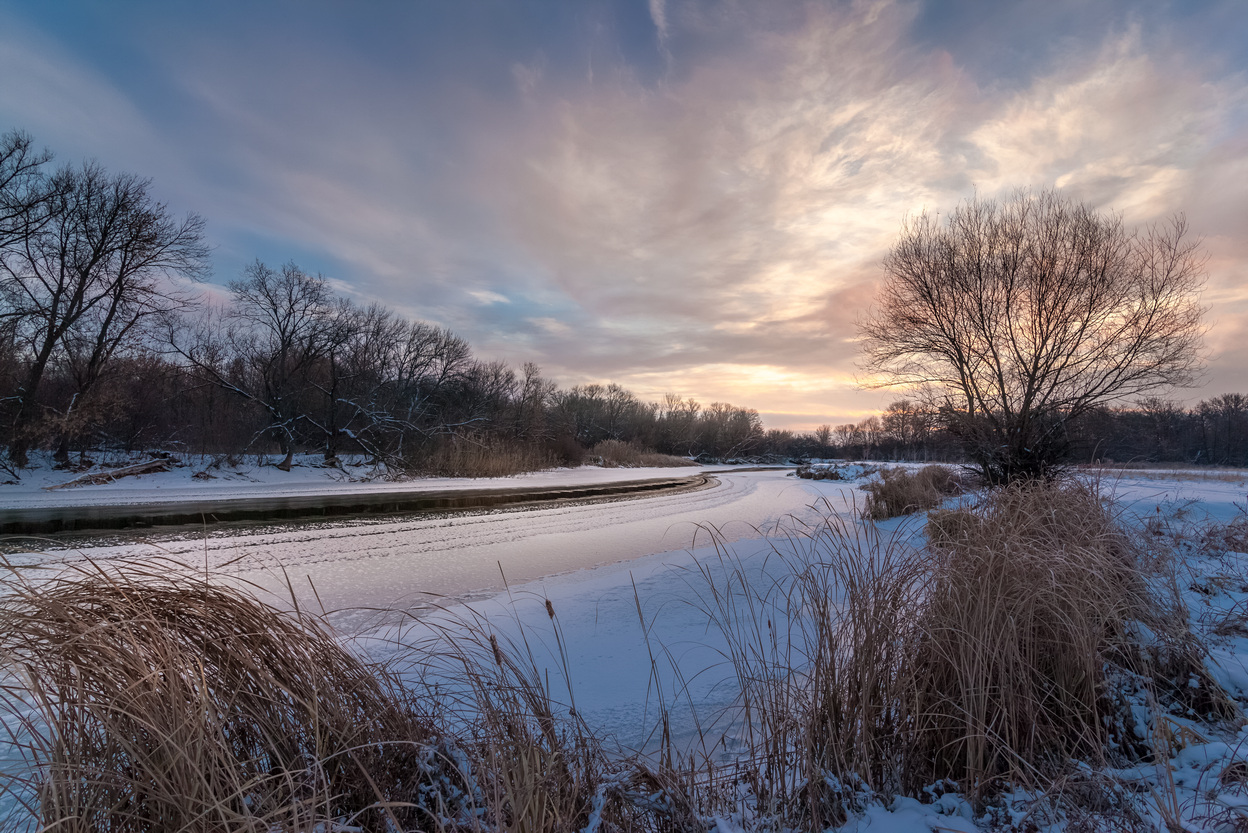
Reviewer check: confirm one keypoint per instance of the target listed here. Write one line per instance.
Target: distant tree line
(1213, 432)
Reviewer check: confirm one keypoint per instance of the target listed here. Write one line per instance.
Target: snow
(307, 478)
(629, 582)
(403, 562)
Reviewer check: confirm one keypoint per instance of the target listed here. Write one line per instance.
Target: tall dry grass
(460, 457)
(1030, 595)
(867, 663)
(536, 765)
(144, 701)
(981, 657)
(817, 651)
(903, 491)
(617, 454)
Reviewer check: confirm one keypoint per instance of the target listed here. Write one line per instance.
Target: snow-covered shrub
(902, 491)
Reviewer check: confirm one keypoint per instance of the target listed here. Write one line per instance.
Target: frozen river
(595, 562)
(403, 562)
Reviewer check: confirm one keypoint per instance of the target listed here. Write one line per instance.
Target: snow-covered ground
(628, 582)
(597, 608)
(637, 633)
(307, 478)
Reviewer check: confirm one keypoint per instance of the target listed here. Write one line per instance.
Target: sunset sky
(687, 197)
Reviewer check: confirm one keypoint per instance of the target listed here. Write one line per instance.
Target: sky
(679, 196)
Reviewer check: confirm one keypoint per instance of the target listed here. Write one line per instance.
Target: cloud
(658, 14)
(485, 296)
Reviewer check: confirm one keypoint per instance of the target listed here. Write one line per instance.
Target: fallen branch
(93, 479)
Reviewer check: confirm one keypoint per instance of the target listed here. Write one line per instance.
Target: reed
(868, 661)
(141, 699)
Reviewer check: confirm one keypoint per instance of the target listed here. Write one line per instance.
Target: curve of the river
(406, 562)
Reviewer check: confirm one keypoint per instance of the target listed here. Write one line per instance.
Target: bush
(566, 450)
(168, 704)
(989, 656)
(1030, 595)
(902, 491)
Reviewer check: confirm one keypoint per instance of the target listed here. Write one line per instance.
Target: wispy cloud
(658, 14)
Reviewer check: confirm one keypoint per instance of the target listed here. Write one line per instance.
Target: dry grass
(140, 699)
(902, 491)
(816, 654)
(981, 659)
(144, 702)
(460, 457)
(1029, 596)
(536, 765)
(615, 454)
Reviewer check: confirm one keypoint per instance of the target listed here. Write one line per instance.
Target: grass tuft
(903, 491)
(144, 702)
(1030, 595)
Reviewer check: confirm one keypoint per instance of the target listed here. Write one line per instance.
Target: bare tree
(823, 438)
(1016, 318)
(24, 188)
(91, 267)
(265, 345)
(907, 424)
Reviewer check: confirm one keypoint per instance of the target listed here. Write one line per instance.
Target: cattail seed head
(498, 654)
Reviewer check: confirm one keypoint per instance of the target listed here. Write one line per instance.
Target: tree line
(1153, 430)
(105, 343)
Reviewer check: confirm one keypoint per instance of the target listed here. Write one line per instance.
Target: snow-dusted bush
(902, 491)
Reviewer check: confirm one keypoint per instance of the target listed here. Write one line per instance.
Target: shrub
(988, 656)
(1029, 596)
(902, 491)
(566, 450)
(166, 703)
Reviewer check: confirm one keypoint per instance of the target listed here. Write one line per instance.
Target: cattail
(550, 609)
(498, 654)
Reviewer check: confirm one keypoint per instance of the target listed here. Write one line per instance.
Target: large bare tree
(1015, 318)
(86, 264)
